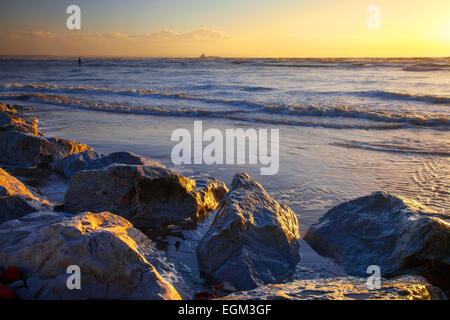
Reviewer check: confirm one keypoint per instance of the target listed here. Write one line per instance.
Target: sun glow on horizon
(265, 28)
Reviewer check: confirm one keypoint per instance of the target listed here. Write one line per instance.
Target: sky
(227, 28)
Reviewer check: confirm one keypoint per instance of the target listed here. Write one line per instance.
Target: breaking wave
(428, 98)
(395, 147)
(323, 116)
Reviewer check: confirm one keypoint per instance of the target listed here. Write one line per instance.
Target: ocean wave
(361, 113)
(131, 92)
(394, 147)
(427, 67)
(381, 120)
(428, 98)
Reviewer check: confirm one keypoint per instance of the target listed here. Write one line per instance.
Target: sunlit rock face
(344, 288)
(11, 120)
(394, 233)
(22, 149)
(148, 196)
(116, 260)
(253, 239)
(90, 160)
(16, 199)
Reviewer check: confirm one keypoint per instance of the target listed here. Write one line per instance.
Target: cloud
(166, 34)
(33, 34)
(165, 42)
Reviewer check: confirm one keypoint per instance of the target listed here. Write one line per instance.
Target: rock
(13, 207)
(396, 234)
(10, 120)
(21, 149)
(7, 108)
(148, 196)
(6, 293)
(16, 199)
(10, 186)
(212, 195)
(90, 160)
(252, 241)
(116, 260)
(22, 127)
(13, 274)
(16, 285)
(228, 287)
(343, 288)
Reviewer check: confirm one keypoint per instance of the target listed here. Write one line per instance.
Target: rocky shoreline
(251, 247)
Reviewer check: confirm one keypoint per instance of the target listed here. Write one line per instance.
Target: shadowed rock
(148, 196)
(394, 233)
(116, 260)
(344, 288)
(252, 241)
(16, 200)
(90, 160)
(21, 149)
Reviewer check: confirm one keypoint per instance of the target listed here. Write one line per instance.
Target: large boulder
(253, 239)
(22, 149)
(16, 199)
(396, 234)
(90, 160)
(148, 196)
(343, 288)
(116, 260)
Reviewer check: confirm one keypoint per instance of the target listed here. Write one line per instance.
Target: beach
(347, 128)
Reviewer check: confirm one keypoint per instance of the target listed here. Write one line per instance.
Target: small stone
(6, 293)
(228, 286)
(13, 274)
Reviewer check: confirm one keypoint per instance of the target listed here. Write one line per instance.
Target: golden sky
(245, 28)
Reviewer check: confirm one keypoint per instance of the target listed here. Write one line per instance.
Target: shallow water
(347, 127)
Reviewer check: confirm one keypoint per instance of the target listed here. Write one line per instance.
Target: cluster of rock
(252, 244)
(343, 288)
(148, 196)
(23, 145)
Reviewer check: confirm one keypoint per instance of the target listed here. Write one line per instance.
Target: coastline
(178, 239)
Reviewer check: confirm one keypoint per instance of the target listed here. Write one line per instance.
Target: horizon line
(213, 57)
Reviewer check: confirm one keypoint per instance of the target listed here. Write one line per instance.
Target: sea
(347, 127)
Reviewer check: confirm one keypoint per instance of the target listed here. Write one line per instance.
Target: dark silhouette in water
(79, 61)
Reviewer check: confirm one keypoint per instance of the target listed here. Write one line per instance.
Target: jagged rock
(212, 195)
(10, 186)
(16, 199)
(90, 160)
(21, 149)
(116, 260)
(343, 288)
(7, 108)
(252, 241)
(148, 196)
(10, 120)
(22, 127)
(381, 229)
